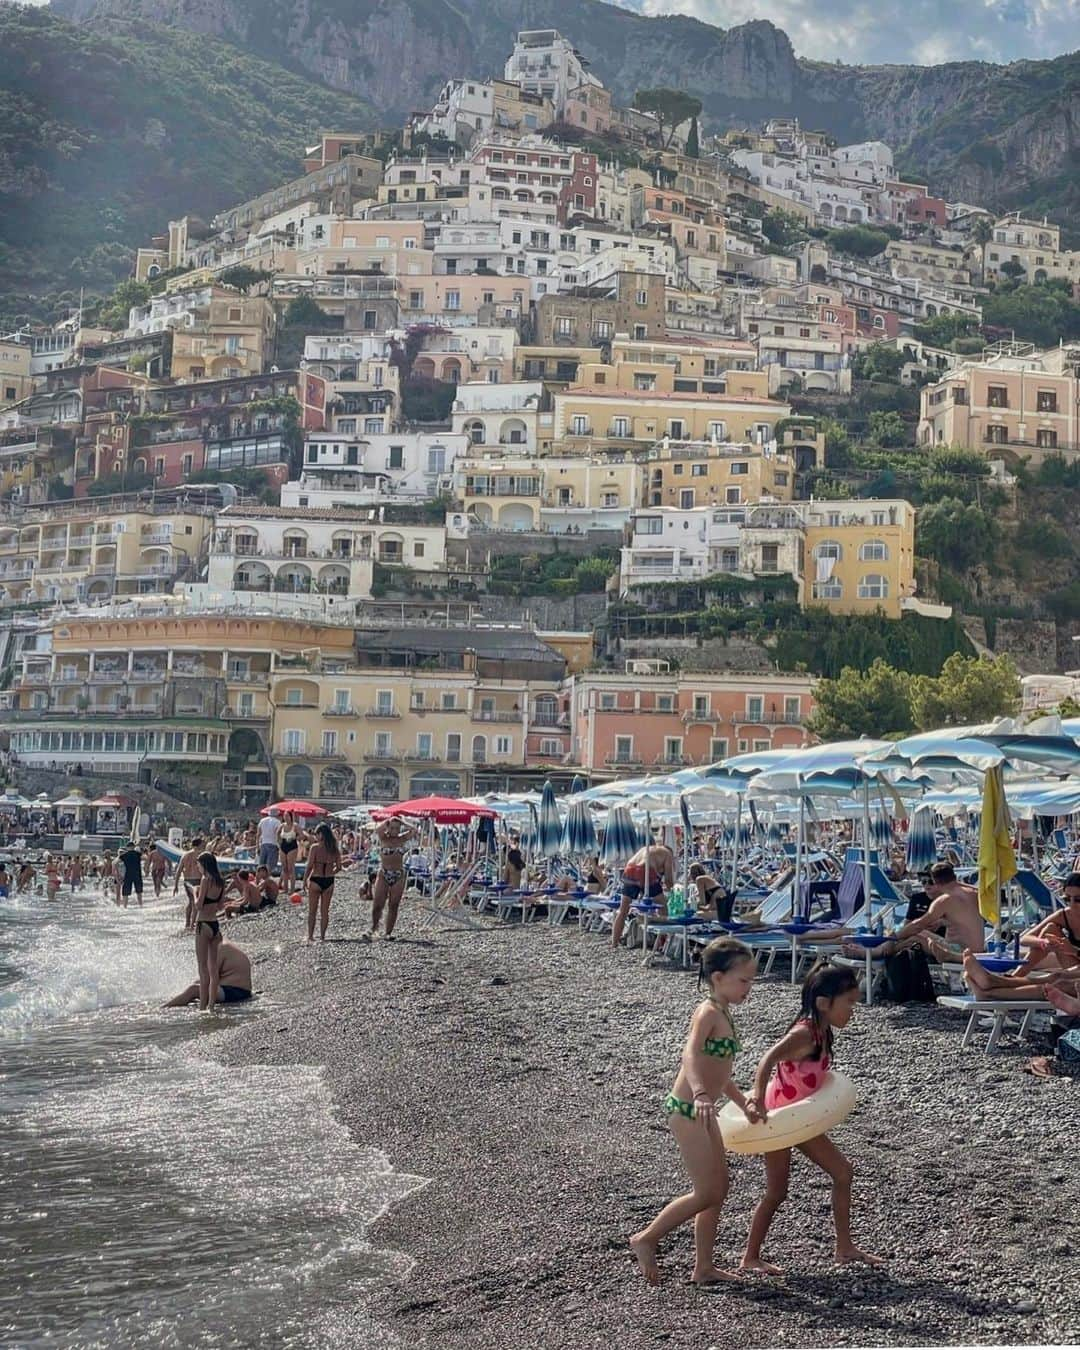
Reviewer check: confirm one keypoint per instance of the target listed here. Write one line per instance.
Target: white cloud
(923, 32)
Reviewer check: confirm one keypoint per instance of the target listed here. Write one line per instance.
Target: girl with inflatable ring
(792, 1070)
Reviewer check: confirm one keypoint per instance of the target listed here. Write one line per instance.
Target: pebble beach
(519, 1070)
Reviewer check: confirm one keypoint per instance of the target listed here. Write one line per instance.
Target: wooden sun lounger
(994, 1012)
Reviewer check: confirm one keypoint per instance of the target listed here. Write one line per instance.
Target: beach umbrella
(549, 826)
(774, 836)
(921, 852)
(294, 805)
(579, 833)
(997, 861)
(621, 837)
(881, 831)
(578, 785)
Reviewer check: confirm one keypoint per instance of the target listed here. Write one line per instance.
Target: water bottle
(676, 904)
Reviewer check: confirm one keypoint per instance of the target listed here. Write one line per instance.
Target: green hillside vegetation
(105, 136)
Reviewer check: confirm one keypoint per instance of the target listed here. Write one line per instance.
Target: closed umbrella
(578, 833)
(997, 861)
(578, 785)
(621, 837)
(921, 853)
(549, 826)
(881, 830)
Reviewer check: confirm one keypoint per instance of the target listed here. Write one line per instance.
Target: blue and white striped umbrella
(921, 841)
(881, 830)
(775, 837)
(549, 826)
(578, 785)
(578, 833)
(621, 837)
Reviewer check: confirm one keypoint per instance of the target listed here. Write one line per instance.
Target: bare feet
(644, 1253)
(712, 1275)
(976, 976)
(1063, 1002)
(849, 1256)
(755, 1263)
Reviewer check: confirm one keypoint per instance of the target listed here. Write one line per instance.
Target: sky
(920, 32)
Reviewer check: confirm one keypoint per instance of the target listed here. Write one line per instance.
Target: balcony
(336, 711)
(494, 715)
(699, 715)
(671, 761)
(624, 761)
(421, 757)
(322, 753)
(382, 757)
(381, 712)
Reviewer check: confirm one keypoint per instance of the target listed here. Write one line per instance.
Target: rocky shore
(520, 1070)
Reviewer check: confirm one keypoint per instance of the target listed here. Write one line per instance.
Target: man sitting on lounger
(954, 907)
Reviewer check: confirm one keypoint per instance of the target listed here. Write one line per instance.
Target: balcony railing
(382, 756)
(624, 761)
(421, 756)
(381, 712)
(494, 715)
(335, 710)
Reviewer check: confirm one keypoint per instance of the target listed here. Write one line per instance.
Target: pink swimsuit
(795, 1079)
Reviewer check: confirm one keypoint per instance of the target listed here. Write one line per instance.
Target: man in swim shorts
(650, 872)
(234, 979)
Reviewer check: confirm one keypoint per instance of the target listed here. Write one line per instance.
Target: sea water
(149, 1196)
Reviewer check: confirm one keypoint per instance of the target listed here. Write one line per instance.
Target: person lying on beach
(954, 907)
(234, 979)
(1020, 984)
(1056, 939)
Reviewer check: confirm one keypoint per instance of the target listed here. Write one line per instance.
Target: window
(384, 701)
(246, 705)
(739, 468)
(643, 297)
(609, 500)
(1046, 440)
(828, 590)
(733, 496)
(761, 745)
(676, 428)
(672, 749)
(416, 299)
(232, 345)
(453, 299)
(448, 702)
(564, 327)
(873, 586)
(829, 548)
(292, 741)
(686, 499)
(550, 748)
(383, 745)
(997, 396)
(418, 548)
(329, 742)
(624, 749)
(644, 383)
(755, 708)
(717, 431)
(453, 747)
(341, 701)
(608, 702)
(874, 550)
(649, 525)
(997, 435)
(641, 332)
(717, 748)
(620, 427)
(792, 708)
(479, 749)
(424, 745)
(159, 466)
(579, 425)
(699, 471)
(504, 745)
(294, 697)
(1046, 401)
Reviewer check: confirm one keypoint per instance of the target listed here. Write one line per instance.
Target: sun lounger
(993, 1014)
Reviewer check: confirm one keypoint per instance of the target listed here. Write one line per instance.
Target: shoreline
(519, 1069)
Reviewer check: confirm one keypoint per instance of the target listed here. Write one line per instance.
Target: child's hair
(824, 981)
(719, 956)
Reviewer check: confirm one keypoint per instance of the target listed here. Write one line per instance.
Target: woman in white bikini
(390, 879)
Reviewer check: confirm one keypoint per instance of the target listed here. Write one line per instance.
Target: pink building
(644, 721)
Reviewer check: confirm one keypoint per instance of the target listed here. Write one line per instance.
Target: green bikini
(720, 1047)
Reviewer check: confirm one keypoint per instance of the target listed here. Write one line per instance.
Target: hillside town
(394, 479)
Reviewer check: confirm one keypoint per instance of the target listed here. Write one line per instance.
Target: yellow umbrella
(997, 861)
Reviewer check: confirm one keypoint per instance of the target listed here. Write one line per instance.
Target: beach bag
(908, 979)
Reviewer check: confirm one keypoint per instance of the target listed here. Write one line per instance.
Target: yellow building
(165, 690)
(512, 493)
(231, 334)
(703, 473)
(15, 379)
(860, 556)
(72, 551)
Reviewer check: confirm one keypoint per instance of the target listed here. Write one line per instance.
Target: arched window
(829, 548)
(298, 781)
(874, 586)
(874, 550)
(479, 750)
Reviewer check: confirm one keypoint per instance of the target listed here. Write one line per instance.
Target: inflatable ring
(788, 1126)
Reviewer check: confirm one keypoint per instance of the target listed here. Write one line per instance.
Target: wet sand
(520, 1069)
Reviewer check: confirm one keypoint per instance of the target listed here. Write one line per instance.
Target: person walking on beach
(320, 873)
(705, 1074)
(208, 903)
(188, 871)
(392, 835)
(649, 874)
(268, 841)
(131, 860)
(158, 865)
(795, 1068)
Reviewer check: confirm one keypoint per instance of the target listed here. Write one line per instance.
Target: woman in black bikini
(208, 902)
(320, 873)
(288, 839)
(390, 879)
(712, 894)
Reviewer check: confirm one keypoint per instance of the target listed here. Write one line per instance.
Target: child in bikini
(708, 1058)
(792, 1070)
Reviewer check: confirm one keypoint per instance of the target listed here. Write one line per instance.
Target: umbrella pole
(866, 874)
(735, 845)
(796, 893)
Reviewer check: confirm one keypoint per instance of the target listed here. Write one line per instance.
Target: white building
(499, 415)
(666, 544)
(544, 62)
(403, 466)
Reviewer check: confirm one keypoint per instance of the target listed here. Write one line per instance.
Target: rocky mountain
(1009, 135)
(107, 132)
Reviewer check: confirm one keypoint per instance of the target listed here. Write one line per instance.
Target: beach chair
(994, 1015)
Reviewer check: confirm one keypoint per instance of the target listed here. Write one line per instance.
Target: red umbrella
(298, 808)
(442, 810)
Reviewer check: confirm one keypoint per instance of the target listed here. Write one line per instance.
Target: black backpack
(908, 979)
